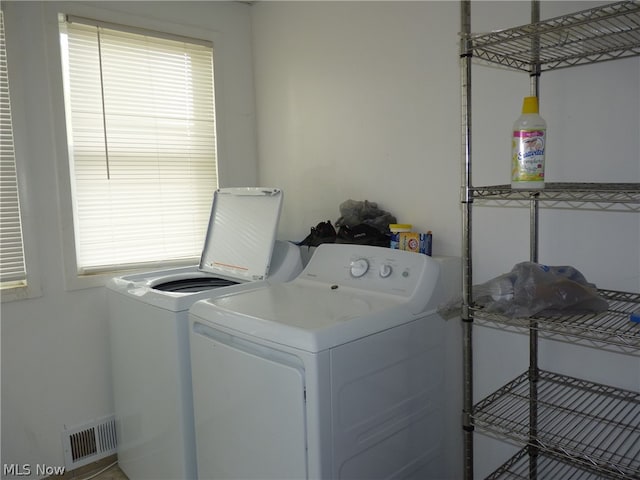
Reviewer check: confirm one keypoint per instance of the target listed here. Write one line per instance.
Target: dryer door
(249, 408)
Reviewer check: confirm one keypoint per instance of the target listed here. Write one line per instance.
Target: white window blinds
(142, 145)
(12, 268)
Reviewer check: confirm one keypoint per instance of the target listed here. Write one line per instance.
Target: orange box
(415, 242)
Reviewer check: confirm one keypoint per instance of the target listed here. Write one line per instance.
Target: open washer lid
(242, 232)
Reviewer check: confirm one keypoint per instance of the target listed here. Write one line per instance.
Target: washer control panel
(371, 268)
(361, 266)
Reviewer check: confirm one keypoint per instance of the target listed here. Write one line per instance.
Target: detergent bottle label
(528, 156)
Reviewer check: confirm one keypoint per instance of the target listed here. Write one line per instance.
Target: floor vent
(89, 442)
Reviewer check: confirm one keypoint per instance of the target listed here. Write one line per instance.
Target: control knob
(359, 267)
(385, 270)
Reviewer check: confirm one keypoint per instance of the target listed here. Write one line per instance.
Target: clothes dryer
(337, 374)
(150, 336)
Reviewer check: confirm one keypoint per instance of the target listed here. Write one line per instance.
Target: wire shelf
(604, 33)
(588, 424)
(608, 329)
(602, 196)
(519, 467)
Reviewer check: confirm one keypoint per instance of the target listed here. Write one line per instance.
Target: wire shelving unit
(569, 428)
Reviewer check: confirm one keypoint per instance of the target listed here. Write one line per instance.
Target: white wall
(55, 348)
(361, 100)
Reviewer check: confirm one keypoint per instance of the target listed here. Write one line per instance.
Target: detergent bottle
(528, 146)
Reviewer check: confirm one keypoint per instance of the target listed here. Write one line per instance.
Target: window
(12, 265)
(142, 145)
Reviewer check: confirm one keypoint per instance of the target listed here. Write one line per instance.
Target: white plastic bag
(531, 288)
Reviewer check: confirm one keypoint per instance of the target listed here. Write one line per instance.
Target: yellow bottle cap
(530, 105)
(400, 226)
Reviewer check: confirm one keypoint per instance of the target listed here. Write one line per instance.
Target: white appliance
(150, 334)
(337, 374)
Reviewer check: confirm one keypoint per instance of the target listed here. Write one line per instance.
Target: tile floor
(112, 473)
(105, 469)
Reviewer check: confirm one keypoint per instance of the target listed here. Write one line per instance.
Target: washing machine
(149, 330)
(337, 374)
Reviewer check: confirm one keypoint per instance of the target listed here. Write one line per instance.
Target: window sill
(20, 292)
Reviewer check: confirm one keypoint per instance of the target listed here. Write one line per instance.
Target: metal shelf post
(467, 273)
